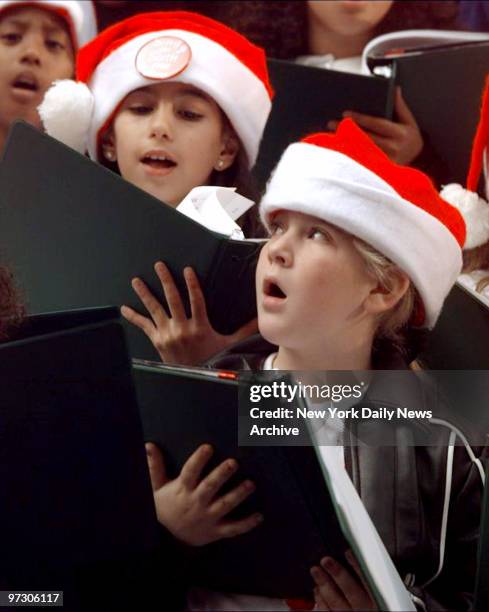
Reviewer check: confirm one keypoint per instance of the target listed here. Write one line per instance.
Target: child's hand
(177, 338)
(338, 589)
(401, 140)
(189, 507)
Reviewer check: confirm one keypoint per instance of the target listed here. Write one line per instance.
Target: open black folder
(310, 506)
(306, 98)
(75, 234)
(460, 337)
(76, 510)
(442, 86)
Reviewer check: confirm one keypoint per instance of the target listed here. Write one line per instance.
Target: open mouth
(271, 289)
(158, 161)
(26, 82)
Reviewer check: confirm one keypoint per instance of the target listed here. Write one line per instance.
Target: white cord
(418, 601)
(446, 503)
(468, 448)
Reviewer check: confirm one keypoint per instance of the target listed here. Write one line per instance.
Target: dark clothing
(403, 489)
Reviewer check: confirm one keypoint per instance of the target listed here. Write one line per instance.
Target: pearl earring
(220, 164)
(109, 155)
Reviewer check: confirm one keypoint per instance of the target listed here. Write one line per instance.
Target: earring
(220, 164)
(109, 155)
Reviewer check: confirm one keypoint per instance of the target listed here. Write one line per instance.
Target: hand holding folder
(191, 506)
(89, 232)
(310, 506)
(176, 337)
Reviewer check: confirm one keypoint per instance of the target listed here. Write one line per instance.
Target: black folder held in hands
(306, 98)
(310, 506)
(182, 408)
(76, 502)
(442, 86)
(75, 234)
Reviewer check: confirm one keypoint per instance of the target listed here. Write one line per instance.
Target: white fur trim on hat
(474, 210)
(213, 69)
(66, 112)
(81, 14)
(330, 185)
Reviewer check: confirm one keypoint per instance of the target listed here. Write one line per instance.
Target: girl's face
(35, 50)
(312, 285)
(167, 139)
(348, 17)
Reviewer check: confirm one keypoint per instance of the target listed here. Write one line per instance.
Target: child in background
(333, 35)
(38, 43)
(172, 101)
(475, 209)
(350, 272)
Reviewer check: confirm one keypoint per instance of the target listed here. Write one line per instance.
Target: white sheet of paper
(216, 208)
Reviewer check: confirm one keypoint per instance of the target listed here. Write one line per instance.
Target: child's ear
(108, 145)
(381, 298)
(229, 150)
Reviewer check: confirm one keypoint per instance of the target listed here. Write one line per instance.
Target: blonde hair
(393, 323)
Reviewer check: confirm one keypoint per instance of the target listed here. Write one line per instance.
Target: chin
(274, 334)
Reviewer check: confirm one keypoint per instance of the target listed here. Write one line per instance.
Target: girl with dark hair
(172, 101)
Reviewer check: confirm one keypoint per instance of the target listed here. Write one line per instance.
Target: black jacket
(403, 489)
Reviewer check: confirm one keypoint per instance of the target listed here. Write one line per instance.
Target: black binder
(182, 408)
(75, 234)
(443, 87)
(460, 337)
(306, 98)
(76, 505)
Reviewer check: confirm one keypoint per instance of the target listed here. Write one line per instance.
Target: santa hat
(79, 15)
(154, 47)
(345, 179)
(474, 209)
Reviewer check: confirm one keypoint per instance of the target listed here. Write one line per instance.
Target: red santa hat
(345, 179)
(154, 47)
(79, 15)
(474, 209)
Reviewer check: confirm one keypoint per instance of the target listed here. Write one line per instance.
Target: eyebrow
(51, 27)
(189, 91)
(196, 93)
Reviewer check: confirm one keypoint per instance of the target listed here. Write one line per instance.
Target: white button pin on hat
(163, 58)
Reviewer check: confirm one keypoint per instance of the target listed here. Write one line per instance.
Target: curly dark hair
(12, 311)
(280, 27)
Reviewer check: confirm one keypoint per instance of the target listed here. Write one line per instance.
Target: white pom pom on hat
(474, 210)
(66, 113)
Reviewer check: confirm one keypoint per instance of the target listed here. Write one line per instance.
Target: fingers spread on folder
(156, 466)
(339, 589)
(400, 139)
(210, 485)
(172, 295)
(231, 500)
(331, 596)
(230, 529)
(192, 469)
(178, 339)
(196, 297)
(190, 507)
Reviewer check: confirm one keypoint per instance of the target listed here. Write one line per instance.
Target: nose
(161, 123)
(280, 250)
(32, 51)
